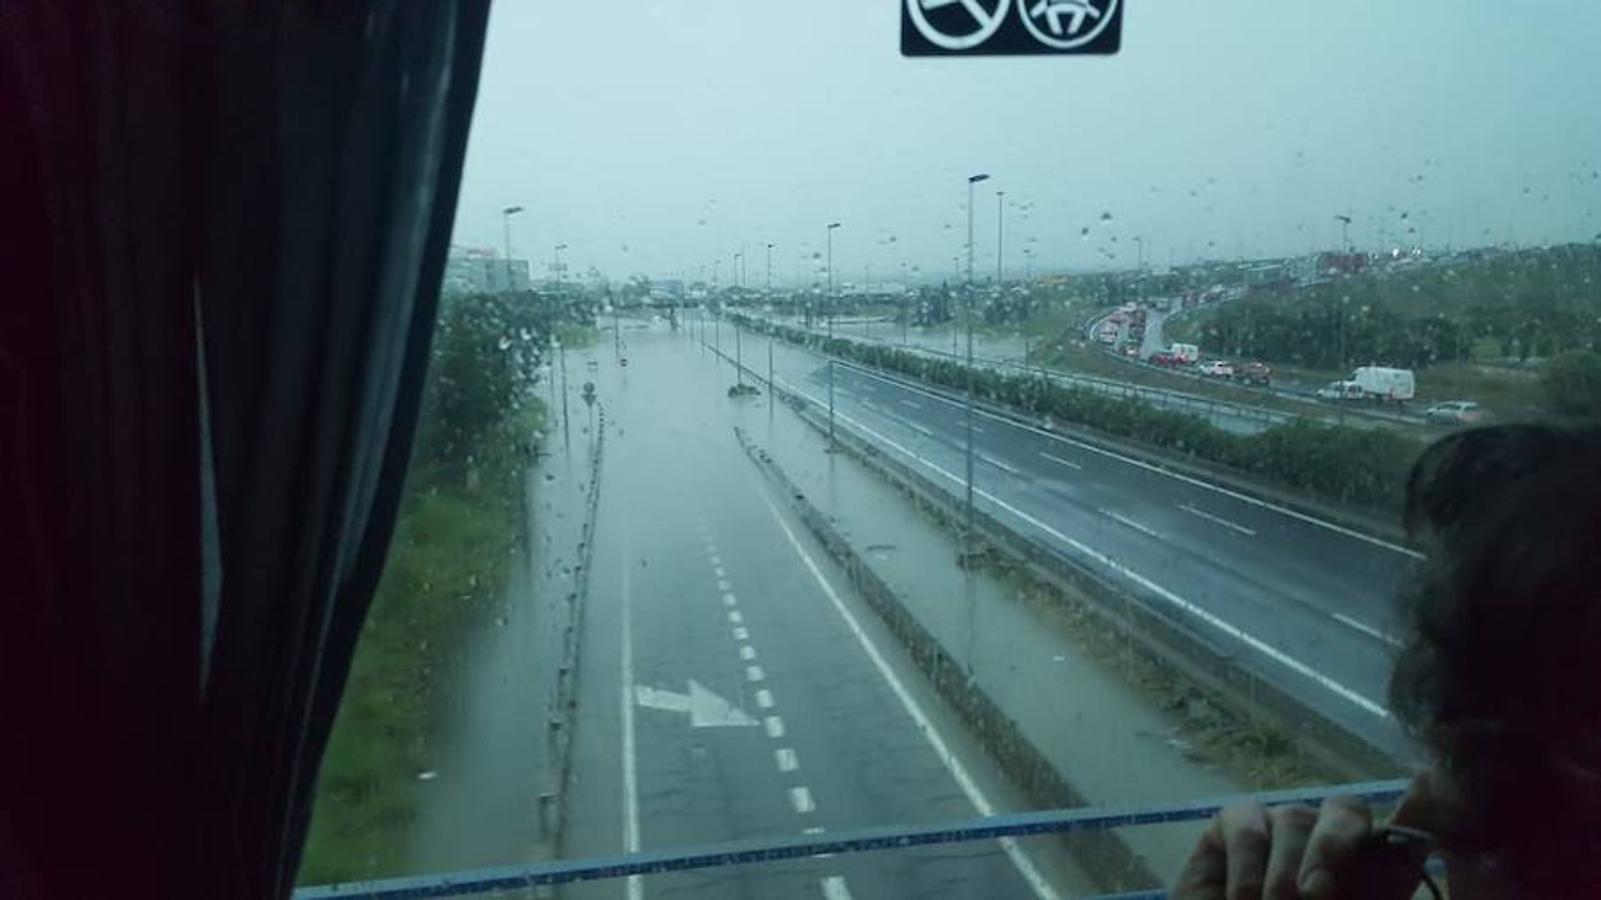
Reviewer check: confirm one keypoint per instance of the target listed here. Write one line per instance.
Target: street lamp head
(561, 246)
(832, 226)
(975, 179)
(511, 209)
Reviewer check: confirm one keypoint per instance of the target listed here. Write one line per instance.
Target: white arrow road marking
(706, 709)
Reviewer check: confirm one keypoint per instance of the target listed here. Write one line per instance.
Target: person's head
(1500, 673)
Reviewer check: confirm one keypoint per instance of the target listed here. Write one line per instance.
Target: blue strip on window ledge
(1063, 821)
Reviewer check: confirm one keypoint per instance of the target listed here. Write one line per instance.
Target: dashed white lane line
(723, 584)
(740, 634)
(764, 698)
(1218, 520)
(774, 726)
(716, 560)
(834, 888)
(747, 652)
(912, 425)
(754, 673)
(975, 794)
(1132, 524)
(912, 403)
(730, 600)
(1059, 460)
(718, 571)
(1236, 495)
(734, 618)
(801, 798)
(1366, 629)
(785, 757)
(1005, 467)
(1206, 616)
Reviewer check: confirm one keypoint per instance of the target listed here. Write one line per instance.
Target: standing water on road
(829, 427)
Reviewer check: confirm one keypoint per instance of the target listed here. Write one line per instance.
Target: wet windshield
(820, 437)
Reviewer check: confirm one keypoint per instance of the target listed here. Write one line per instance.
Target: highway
(1306, 603)
(731, 685)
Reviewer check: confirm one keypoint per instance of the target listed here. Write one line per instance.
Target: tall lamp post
(1000, 224)
(971, 180)
(830, 301)
(505, 221)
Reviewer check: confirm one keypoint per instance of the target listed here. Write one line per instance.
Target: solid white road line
(785, 757)
(1366, 629)
(942, 750)
(754, 673)
(774, 726)
(764, 698)
(834, 888)
(636, 885)
(1204, 615)
(734, 618)
(912, 403)
(1066, 462)
(747, 652)
(1244, 498)
(801, 798)
(1248, 532)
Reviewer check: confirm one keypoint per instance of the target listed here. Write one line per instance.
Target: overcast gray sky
(655, 137)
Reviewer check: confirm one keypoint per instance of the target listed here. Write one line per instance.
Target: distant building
(471, 270)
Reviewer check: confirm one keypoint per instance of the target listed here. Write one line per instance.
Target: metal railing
(751, 852)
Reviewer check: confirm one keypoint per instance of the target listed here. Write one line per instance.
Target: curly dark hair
(1500, 672)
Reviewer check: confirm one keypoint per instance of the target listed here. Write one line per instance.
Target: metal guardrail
(1026, 824)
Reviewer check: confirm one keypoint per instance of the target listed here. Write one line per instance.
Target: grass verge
(453, 542)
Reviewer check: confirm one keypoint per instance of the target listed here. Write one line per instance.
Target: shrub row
(1359, 466)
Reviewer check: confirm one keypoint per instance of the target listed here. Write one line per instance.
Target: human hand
(1293, 852)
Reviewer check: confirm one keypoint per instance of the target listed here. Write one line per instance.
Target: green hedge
(460, 525)
(1361, 466)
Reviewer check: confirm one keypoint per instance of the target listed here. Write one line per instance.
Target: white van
(1386, 385)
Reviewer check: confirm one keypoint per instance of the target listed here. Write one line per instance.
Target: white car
(1217, 368)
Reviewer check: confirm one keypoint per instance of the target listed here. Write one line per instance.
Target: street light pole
(830, 301)
(505, 220)
(1000, 224)
(767, 294)
(967, 535)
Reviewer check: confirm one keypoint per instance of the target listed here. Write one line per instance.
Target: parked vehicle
(1216, 368)
(1185, 353)
(1107, 333)
(1384, 384)
(1164, 358)
(1254, 373)
(1455, 412)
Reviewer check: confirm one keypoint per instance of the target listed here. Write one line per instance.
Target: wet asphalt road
(1304, 602)
(708, 594)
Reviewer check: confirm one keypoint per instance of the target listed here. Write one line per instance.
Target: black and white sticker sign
(1010, 27)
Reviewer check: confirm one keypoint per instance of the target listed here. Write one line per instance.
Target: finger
(1291, 830)
(1245, 843)
(1343, 824)
(1205, 873)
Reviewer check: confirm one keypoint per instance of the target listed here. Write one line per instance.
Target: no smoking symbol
(988, 27)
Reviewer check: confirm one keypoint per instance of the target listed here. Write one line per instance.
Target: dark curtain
(230, 227)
